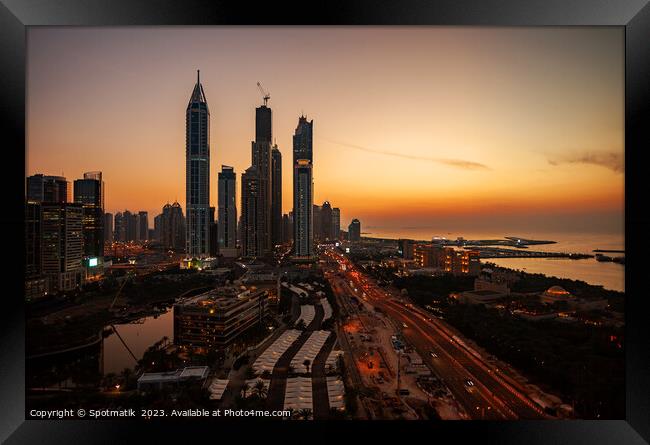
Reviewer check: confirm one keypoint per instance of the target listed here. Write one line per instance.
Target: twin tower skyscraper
(261, 187)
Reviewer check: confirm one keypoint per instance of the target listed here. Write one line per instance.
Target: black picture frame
(633, 15)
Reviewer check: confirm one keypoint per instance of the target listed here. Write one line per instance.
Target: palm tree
(244, 390)
(307, 363)
(304, 414)
(259, 389)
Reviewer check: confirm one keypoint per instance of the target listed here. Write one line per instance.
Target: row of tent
(327, 309)
(309, 350)
(307, 314)
(267, 360)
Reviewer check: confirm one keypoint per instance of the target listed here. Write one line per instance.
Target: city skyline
(485, 121)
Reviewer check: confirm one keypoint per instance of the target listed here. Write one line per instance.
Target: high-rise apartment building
(143, 226)
(261, 162)
(326, 222)
(108, 227)
(62, 244)
(318, 222)
(336, 223)
(89, 192)
(276, 196)
(354, 230)
(36, 284)
(250, 190)
(197, 173)
(303, 187)
(172, 227)
(227, 210)
(43, 188)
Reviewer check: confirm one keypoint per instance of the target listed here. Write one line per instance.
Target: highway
(493, 396)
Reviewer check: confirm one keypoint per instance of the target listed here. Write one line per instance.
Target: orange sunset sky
(413, 126)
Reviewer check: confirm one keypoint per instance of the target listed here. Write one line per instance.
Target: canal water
(137, 336)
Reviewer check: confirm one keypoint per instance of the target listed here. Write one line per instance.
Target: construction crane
(265, 94)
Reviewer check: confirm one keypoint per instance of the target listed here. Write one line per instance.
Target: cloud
(611, 160)
(458, 163)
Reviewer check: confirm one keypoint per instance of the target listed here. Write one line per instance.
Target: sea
(609, 275)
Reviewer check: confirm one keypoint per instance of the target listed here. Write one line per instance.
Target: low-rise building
(216, 318)
(157, 380)
(484, 296)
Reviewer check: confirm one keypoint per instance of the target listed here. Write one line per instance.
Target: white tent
(335, 392)
(309, 350)
(307, 314)
(216, 388)
(327, 309)
(298, 394)
(267, 360)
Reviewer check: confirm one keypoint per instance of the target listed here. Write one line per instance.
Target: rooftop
(220, 298)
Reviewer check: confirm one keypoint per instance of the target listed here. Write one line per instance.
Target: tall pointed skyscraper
(197, 173)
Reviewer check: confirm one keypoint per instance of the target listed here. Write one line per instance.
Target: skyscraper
(326, 221)
(143, 226)
(157, 227)
(287, 228)
(41, 188)
(62, 244)
(256, 191)
(250, 191)
(214, 234)
(36, 285)
(336, 223)
(108, 227)
(132, 229)
(197, 173)
(32, 239)
(303, 184)
(354, 230)
(318, 227)
(227, 210)
(172, 227)
(89, 193)
(120, 227)
(262, 162)
(276, 195)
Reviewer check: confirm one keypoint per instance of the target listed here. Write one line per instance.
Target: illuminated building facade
(62, 245)
(303, 189)
(462, 262)
(89, 193)
(215, 319)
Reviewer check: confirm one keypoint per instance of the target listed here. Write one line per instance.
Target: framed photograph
(365, 218)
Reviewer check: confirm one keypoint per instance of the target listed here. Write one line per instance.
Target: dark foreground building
(217, 318)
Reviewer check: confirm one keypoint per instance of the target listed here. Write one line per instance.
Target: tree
(305, 414)
(307, 364)
(259, 389)
(244, 390)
